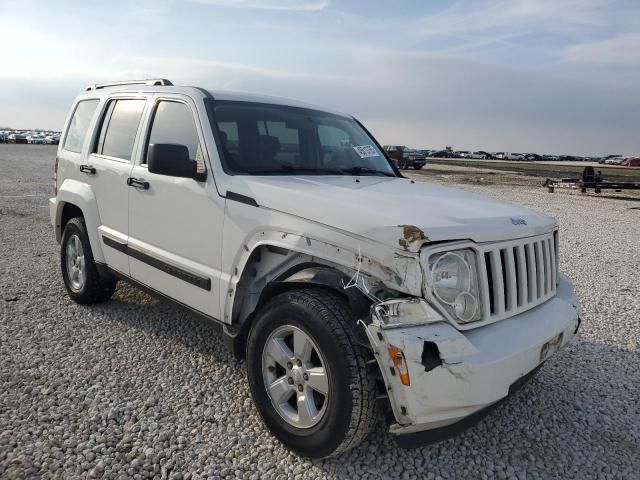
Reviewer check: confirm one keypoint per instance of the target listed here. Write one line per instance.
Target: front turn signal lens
(400, 364)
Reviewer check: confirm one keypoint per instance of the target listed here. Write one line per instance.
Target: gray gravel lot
(135, 388)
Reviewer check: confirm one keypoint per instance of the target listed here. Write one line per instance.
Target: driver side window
(173, 123)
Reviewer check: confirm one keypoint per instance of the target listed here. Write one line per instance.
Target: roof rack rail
(152, 82)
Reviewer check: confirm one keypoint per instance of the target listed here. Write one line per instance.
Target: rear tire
(343, 416)
(84, 284)
(418, 167)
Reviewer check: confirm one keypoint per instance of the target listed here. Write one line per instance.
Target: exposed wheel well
(69, 211)
(272, 271)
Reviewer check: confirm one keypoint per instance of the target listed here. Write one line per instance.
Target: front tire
(84, 284)
(308, 374)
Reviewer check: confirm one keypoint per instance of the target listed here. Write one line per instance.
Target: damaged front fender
(365, 260)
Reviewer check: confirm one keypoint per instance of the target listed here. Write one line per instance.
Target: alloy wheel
(295, 376)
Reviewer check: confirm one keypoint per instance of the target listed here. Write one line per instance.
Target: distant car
(462, 154)
(35, 140)
(52, 140)
(483, 155)
(604, 159)
(441, 154)
(17, 138)
(405, 157)
(631, 162)
(615, 160)
(509, 156)
(532, 157)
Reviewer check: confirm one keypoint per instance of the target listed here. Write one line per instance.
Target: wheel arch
(75, 198)
(271, 270)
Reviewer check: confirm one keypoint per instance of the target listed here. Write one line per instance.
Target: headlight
(404, 312)
(454, 281)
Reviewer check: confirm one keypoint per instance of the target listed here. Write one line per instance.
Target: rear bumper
(456, 377)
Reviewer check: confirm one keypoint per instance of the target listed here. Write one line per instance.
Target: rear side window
(119, 128)
(173, 123)
(79, 125)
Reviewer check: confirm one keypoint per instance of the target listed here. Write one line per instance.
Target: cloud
(622, 49)
(288, 5)
(417, 99)
(344, 61)
(514, 15)
(452, 99)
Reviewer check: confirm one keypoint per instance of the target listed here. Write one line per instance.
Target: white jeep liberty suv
(347, 288)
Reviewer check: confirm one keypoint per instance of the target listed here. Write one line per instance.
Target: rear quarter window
(119, 128)
(79, 125)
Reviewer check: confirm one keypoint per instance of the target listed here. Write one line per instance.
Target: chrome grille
(518, 275)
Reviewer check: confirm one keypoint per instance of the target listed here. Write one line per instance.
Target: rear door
(108, 166)
(175, 224)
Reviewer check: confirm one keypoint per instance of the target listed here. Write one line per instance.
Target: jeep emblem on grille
(518, 221)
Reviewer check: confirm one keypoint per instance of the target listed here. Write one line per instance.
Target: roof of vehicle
(147, 86)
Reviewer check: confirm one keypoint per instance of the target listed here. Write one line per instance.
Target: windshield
(266, 139)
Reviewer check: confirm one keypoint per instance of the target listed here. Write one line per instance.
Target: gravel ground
(135, 388)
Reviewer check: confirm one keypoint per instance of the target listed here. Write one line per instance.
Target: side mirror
(172, 160)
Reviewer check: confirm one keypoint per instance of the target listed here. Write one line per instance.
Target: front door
(175, 224)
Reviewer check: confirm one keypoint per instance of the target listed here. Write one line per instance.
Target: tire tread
(97, 289)
(339, 320)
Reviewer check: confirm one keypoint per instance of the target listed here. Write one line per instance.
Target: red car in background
(631, 162)
(405, 158)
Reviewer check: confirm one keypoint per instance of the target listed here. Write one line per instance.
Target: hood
(395, 211)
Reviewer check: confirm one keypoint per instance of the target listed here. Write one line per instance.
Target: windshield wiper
(366, 171)
(291, 170)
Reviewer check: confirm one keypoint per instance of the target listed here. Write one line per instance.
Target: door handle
(134, 182)
(88, 169)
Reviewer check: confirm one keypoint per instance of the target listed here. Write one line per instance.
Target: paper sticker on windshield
(366, 151)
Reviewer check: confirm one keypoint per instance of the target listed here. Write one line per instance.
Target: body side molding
(189, 277)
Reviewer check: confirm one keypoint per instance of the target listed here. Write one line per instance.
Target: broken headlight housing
(404, 312)
(453, 279)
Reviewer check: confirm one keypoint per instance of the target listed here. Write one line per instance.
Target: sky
(546, 76)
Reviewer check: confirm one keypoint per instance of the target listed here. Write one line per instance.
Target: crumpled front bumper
(455, 376)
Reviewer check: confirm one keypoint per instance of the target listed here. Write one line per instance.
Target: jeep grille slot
(518, 275)
(489, 282)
